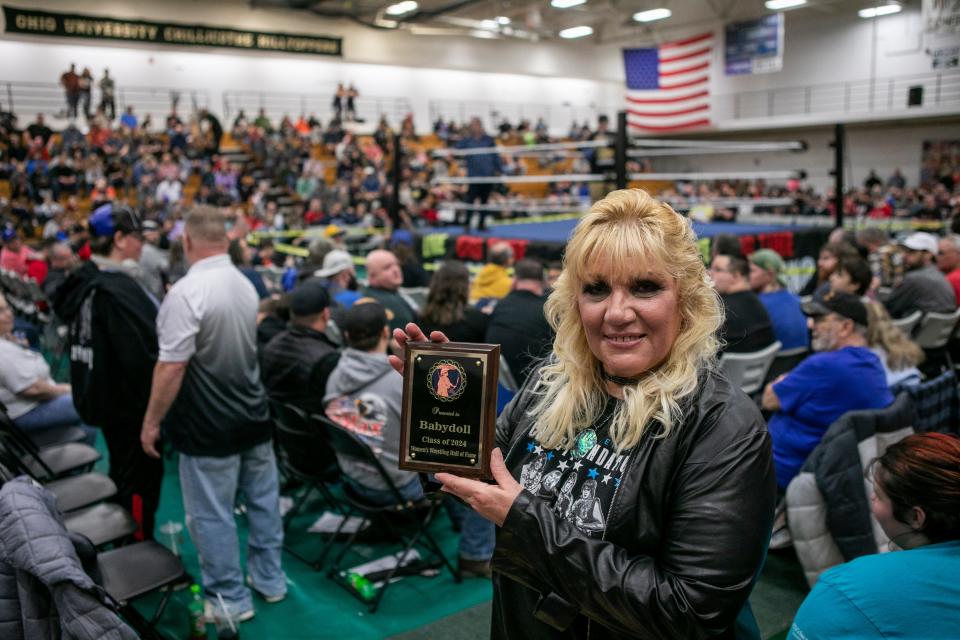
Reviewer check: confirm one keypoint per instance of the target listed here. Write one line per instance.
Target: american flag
(668, 87)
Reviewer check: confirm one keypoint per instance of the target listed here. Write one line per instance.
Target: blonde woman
(898, 354)
(670, 465)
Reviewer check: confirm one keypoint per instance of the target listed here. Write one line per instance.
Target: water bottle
(362, 586)
(195, 610)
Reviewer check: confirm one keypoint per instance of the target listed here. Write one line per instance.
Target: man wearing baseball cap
(923, 287)
(113, 349)
(843, 375)
(296, 362)
(341, 276)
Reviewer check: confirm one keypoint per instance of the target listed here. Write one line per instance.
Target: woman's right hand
(411, 333)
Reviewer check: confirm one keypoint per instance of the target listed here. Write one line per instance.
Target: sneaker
(781, 539)
(266, 598)
(475, 568)
(210, 614)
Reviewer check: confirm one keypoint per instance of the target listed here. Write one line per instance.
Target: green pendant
(585, 442)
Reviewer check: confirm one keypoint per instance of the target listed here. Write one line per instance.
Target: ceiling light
(777, 5)
(402, 7)
(490, 25)
(480, 33)
(882, 10)
(503, 20)
(652, 14)
(565, 4)
(576, 32)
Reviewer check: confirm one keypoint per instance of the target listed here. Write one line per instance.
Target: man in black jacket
(518, 324)
(297, 362)
(113, 348)
(746, 326)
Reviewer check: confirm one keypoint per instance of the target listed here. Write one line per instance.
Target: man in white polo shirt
(208, 395)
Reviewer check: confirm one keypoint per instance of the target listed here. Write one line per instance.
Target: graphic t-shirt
(579, 483)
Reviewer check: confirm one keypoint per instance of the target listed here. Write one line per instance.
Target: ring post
(397, 164)
(838, 155)
(620, 151)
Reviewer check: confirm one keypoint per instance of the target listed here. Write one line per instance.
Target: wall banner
(945, 57)
(71, 25)
(754, 46)
(941, 16)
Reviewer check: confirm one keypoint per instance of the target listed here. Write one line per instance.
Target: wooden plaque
(449, 407)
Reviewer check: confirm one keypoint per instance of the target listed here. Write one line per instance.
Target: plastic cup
(171, 535)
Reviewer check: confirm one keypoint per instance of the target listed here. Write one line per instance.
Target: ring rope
(551, 146)
(569, 177)
(692, 151)
(596, 177)
(512, 206)
(793, 145)
(721, 175)
(729, 202)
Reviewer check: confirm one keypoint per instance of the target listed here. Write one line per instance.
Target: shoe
(266, 598)
(210, 614)
(475, 568)
(781, 539)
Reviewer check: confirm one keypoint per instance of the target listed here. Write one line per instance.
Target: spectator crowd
(156, 219)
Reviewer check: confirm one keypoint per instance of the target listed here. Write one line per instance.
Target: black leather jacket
(685, 538)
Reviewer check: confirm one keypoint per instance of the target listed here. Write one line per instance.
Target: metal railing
(159, 101)
(558, 117)
(277, 104)
(27, 99)
(856, 97)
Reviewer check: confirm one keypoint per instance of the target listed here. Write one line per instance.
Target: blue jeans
(51, 414)
(477, 535)
(209, 487)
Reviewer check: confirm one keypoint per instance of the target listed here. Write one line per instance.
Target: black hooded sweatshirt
(113, 345)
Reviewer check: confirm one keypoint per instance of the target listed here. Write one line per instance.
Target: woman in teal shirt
(912, 593)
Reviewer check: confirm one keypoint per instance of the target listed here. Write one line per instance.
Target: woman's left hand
(492, 501)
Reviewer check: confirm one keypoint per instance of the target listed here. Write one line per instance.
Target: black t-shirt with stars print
(580, 483)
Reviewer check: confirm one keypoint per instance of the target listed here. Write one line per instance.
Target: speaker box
(915, 96)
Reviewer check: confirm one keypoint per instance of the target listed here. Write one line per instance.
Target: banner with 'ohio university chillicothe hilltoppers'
(70, 25)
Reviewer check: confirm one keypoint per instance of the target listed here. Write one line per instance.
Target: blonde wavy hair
(628, 229)
(902, 352)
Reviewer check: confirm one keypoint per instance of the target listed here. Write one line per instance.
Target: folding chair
(409, 520)
(135, 570)
(937, 403)
(47, 437)
(934, 333)
(749, 370)
(785, 361)
(57, 435)
(49, 463)
(304, 455)
(72, 493)
(418, 295)
(909, 323)
(103, 524)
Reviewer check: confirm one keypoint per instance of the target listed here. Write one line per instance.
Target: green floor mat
(415, 607)
(316, 607)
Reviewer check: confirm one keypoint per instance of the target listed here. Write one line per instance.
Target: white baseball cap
(333, 263)
(921, 241)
